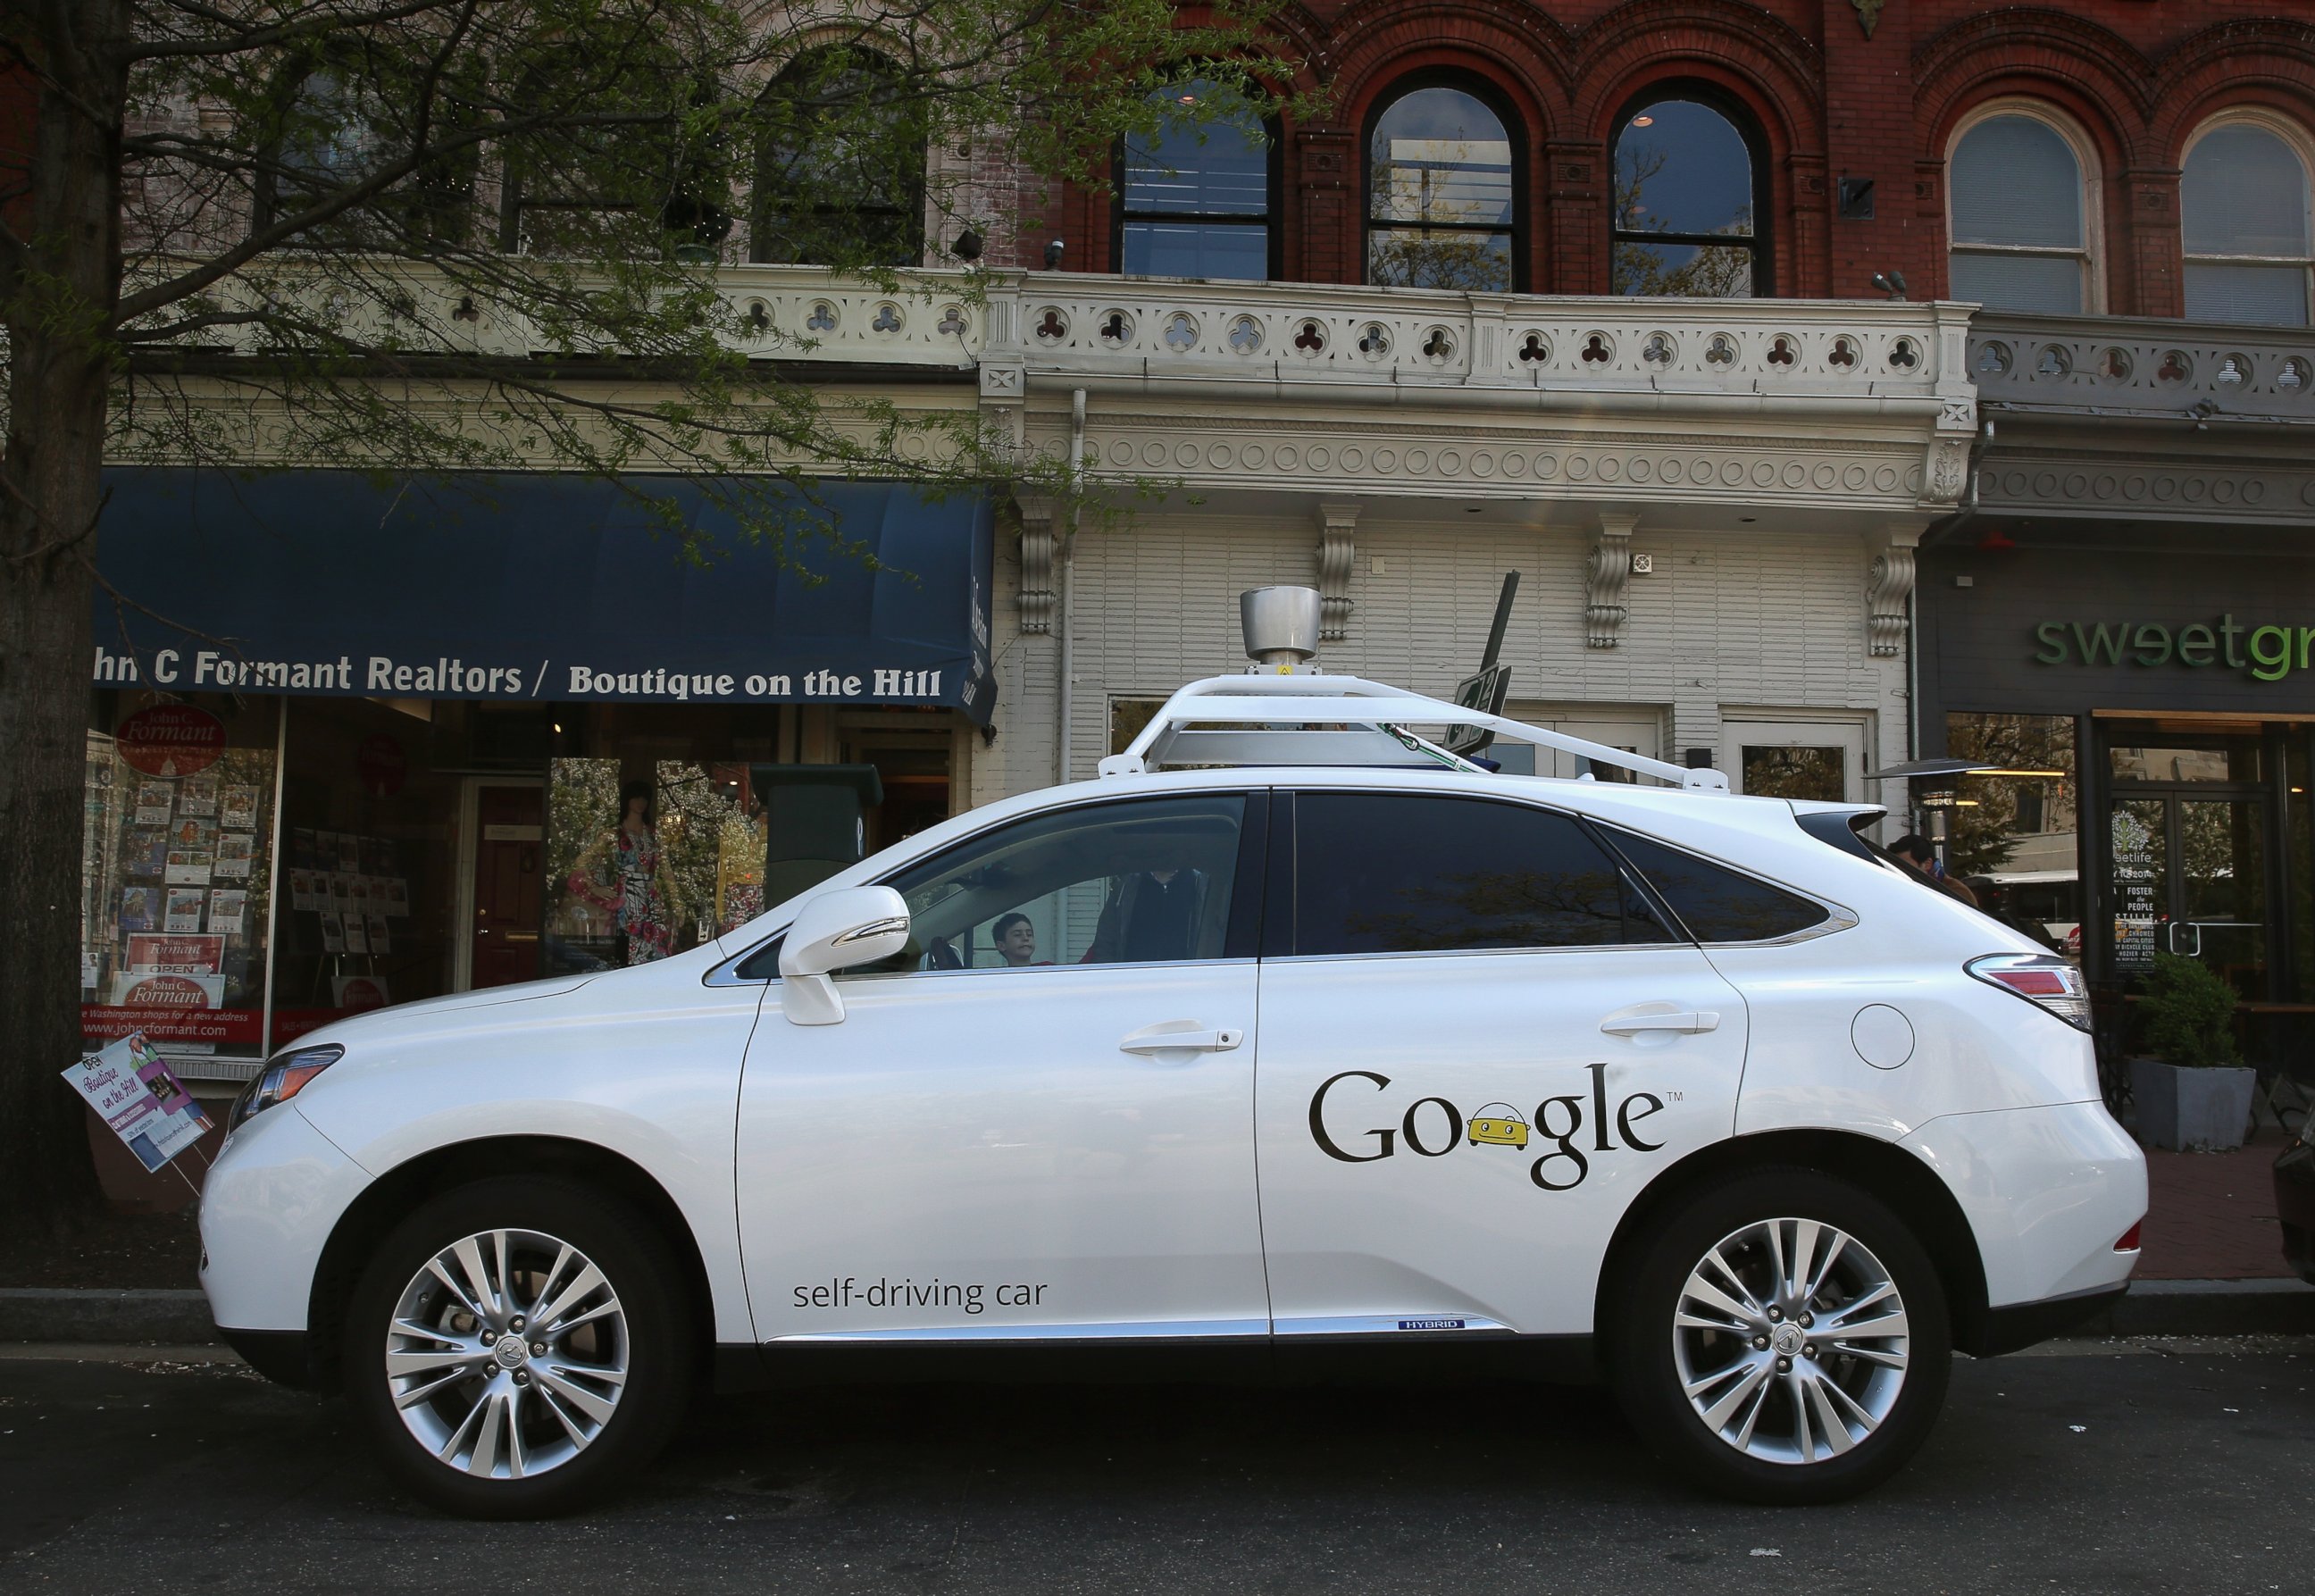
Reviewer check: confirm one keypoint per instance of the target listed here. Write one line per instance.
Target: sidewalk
(2211, 1215)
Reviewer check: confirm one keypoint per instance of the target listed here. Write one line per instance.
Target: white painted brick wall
(1770, 622)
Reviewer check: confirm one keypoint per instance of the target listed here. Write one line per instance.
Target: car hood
(405, 1016)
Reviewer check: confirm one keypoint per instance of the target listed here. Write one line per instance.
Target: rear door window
(1401, 872)
(1715, 903)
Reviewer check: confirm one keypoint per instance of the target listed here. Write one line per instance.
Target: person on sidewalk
(1921, 854)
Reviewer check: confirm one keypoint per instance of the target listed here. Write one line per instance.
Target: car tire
(480, 1408)
(1728, 1351)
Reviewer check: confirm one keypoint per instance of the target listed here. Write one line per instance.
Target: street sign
(1484, 691)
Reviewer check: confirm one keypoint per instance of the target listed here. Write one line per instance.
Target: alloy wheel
(1790, 1340)
(507, 1354)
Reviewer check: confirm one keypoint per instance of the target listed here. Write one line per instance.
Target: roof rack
(1281, 715)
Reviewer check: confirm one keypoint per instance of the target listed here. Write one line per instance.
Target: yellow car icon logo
(1506, 1129)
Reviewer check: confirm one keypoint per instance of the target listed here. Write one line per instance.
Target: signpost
(1485, 689)
(134, 1091)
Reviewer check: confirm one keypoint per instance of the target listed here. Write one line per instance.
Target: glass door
(2188, 860)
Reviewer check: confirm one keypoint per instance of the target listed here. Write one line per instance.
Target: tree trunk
(59, 296)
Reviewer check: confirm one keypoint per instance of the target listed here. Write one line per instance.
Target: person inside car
(1152, 918)
(1015, 939)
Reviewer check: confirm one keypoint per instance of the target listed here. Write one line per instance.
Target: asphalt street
(2096, 1466)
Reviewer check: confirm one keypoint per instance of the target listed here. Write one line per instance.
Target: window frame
(1242, 933)
(1516, 132)
(910, 211)
(1280, 912)
(1836, 917)
(1274, 179)
(2301, 142)
(1755, 137)
(2090, 172)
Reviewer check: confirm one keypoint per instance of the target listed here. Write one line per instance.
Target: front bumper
(277, 1190)
(2047, 1192)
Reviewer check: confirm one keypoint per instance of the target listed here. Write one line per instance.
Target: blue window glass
(1196, 190)
(1441, 206)
(1684, 223)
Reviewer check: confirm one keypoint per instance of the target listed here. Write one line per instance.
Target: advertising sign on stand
(141, 1099)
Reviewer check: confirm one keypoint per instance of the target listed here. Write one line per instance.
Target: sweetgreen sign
(2268, 652)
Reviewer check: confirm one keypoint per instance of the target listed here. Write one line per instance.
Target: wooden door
(508, 875)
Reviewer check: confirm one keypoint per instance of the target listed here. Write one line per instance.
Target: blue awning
(517, 586)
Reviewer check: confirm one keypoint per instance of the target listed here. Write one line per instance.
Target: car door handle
(1180, 1036)
(1687, 1025)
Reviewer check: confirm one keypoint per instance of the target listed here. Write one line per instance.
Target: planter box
(2192, 1110)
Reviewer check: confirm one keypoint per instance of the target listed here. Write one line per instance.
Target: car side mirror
(836, 931)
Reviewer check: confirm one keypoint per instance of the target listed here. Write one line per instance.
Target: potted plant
(2194, 1093)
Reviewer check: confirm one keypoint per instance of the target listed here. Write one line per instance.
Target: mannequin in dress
(642, 898)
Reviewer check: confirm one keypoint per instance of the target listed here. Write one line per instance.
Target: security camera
(1891, 283)
(1053, 254)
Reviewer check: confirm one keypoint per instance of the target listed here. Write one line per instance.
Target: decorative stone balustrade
(2129, 364)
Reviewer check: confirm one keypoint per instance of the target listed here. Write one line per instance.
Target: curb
(2208, 1308)
(36, 1313)
(2153, 1308)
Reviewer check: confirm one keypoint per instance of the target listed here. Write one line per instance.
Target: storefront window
(642, 866)
(369, 885)
(2012, 834)
(1814, 773)
(2191, 824)
(655, 834)
(176, 859)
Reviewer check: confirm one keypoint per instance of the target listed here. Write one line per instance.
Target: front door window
(2188, 858)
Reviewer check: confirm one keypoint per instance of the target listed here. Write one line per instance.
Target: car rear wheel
(1784, 1339)
(517, 1347)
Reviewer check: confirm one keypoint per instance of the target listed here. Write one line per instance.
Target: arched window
(1194, 195)
(331, 126)
(2020, 225)
(1684, 221)
(839, 166)
(1441, 206)
(2243, 199)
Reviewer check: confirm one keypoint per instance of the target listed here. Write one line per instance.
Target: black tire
(652, 1331)
(1651, 1357)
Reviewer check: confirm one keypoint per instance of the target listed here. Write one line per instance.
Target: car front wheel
(1784, 1339)
(517, 1347)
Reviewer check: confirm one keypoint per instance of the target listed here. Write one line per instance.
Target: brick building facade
(1832, 89)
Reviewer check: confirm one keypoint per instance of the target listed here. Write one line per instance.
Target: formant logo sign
(2268, 652)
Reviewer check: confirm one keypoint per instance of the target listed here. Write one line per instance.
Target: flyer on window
(358, 991)
(304, 847)
(240, 811)
(397, 896)
(146, 853)
(379, 941)
(140, 1099)
(349, 853)
(153, 799)
(176, 955)
(236, 853)
(140, 908)
(357, 938)
(197, 795)
(228, 906)
(183, 912)
(302, 895)
(190, 866)
(334, 932)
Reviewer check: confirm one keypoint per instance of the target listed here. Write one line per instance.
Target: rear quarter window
(1715, 903)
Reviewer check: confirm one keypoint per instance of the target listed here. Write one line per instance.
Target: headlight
(282, 1079)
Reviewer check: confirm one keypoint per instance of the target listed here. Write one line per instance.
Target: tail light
(2042, 979)
(2129, 1242)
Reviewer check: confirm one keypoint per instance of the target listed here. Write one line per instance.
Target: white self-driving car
(1319, 1038)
